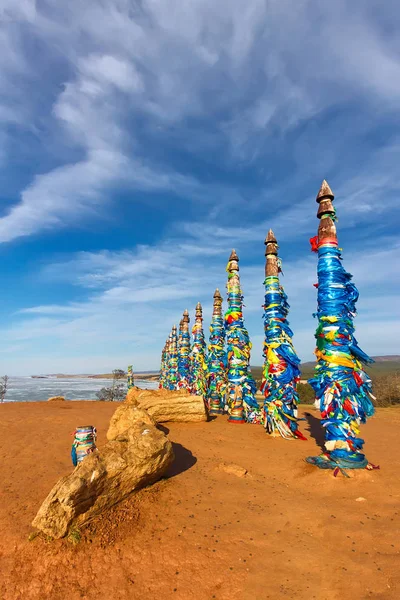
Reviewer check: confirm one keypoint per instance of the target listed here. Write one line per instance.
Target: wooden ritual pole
(197, 362)
(242, 404)
(130, 378)
(216, 360)
(342, 388)
(184, 353)
(173, 360)
(281, 371)
(162, 384)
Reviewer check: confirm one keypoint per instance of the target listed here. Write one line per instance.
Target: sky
(140, 141)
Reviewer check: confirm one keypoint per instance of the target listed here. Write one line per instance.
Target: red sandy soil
(284, 530)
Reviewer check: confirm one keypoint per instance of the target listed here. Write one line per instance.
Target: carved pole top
(271, 245)
(324, 192)
(271, 255)
(270, 239)
(234, 256)
(233, 263)
(326, 214)
(199, 311)
(217, 308)
(185, 320)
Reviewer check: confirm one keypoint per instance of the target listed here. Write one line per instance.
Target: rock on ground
(56, 399)
(125, 417)
(167, 405)
(233, 469)
(134, 459)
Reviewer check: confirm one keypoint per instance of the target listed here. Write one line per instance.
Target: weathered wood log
(126, 416)
(134, 459)
(169, 405)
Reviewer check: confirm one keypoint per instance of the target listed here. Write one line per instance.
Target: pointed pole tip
(324, 192)
(270, 239)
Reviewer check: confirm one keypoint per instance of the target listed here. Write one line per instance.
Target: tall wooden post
(216, 360)
(162, 384)
(281, 371)
(197, 363)
(184, 352)
(130, 378)
(242, 403)
(342, 388)
(173, 360)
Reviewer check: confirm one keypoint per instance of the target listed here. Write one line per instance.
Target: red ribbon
(326, 241)
(358, 379)
(314, 244)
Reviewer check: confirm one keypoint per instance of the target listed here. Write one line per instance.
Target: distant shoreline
(383, 365)
(151, 376)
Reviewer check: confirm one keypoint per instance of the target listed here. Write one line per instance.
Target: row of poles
(222, 374)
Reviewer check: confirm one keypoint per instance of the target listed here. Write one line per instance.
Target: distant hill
(395, 358)
(382, 365)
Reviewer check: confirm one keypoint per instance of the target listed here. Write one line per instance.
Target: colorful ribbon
(242, 404)
(342, 388)
(281, 371)
(216, 361)
(130, 378)
(84, 443)
(198, 367)
(184, 353)
(172, 366)
(163, 367)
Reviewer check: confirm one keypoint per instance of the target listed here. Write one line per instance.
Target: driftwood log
(135, 458)
(125, 417)
(167, 405)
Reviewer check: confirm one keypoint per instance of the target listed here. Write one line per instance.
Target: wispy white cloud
(136, 296)
(245, 70)
(269, 97)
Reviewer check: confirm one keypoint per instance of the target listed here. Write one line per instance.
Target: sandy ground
(285, 530)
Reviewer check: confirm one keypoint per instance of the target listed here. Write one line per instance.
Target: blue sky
(141, 141)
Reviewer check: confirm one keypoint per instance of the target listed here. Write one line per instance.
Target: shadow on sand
(315, 430)
(184, 459)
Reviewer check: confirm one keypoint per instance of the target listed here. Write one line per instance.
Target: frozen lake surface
(25, 389)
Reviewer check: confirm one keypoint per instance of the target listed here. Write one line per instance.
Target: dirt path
(284, 529)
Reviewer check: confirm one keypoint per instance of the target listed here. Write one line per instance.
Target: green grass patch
(74, 537)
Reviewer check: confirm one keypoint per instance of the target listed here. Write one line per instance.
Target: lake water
(25, 389)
